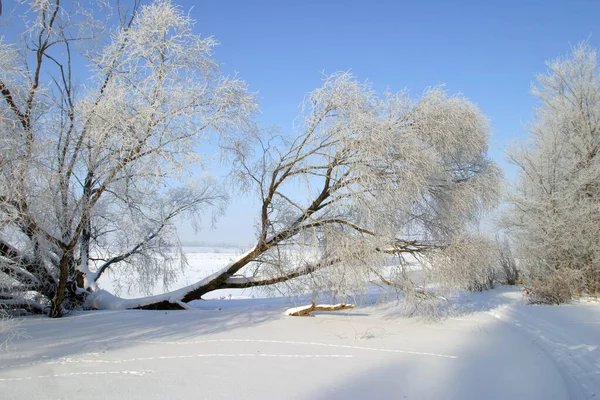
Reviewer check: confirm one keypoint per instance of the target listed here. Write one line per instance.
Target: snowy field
(492, 347)
(203, 261)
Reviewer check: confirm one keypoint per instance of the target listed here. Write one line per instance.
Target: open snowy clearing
(494, 347)
(202, 262)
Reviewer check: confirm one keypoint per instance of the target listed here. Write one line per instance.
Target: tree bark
(65, 261)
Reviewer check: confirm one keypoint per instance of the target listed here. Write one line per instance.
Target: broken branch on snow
(305, 311)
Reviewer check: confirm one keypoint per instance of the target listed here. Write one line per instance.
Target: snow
(204, 267)
(203, 262)
(490, 346)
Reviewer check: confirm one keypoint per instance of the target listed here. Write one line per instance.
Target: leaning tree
(360, 180)
(89, 171)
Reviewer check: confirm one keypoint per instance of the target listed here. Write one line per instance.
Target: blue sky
(490, 51)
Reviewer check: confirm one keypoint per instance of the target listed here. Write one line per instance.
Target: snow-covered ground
(492, 347)
(202, 261)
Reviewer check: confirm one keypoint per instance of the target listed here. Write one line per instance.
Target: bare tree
(362, 179)
(90, 173)
(555, 218)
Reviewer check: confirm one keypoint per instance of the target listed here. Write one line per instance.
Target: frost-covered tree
(555, 215)
(90, 169)
(362, 178)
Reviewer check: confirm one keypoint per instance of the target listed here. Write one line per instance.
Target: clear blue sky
(488, 50)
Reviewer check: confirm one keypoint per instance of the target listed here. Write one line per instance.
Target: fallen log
(305, 311)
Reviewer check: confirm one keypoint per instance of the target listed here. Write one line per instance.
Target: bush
(556, 287)
(509, 273)
(10, 328)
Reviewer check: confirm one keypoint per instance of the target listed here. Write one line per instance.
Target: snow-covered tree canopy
(88, 170)
(555, 218)
(364, 177)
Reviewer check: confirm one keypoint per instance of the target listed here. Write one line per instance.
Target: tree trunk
(65, 261)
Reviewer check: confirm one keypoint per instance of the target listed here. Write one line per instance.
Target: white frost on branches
(555, 215)
(364, 177)
(92, 177)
